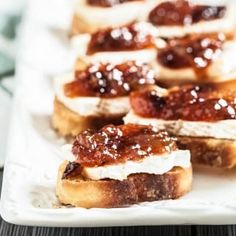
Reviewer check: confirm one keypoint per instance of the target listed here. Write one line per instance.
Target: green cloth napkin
(8, 26)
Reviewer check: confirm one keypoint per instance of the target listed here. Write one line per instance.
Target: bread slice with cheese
(209, 151)
(112, 44)
(107, 193)
(89, 18)
(218, 153)
(202, 117)
(68, 123)
(122, 165)
(96, 94)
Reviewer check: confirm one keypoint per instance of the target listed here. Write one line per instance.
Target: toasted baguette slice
(220, 153)
(137, 188)
(69, 123)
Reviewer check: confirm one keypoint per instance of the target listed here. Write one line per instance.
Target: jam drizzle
(134, 36)
(109, 3)
(109, 81)
(206, 102)
(182, 12)
(118, 144)
(196, 51)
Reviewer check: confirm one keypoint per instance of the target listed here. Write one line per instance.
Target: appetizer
(177, 18)
(97, 94)
(202, 117)
(123, 165)
(93, 15)
(202, 58)
(134, 41)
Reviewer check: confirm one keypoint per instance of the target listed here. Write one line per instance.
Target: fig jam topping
(181, 12)
(196, 51)
(206, 102)
(73, 169)
(108, 81)
(108, 3)
(130, 37)
(118, 144)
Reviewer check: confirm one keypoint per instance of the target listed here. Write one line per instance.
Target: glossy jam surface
(109, 81)
(181, 12)
(118, 144)
(206, 102)
(125, 38)
(108, 3)
(196, 52)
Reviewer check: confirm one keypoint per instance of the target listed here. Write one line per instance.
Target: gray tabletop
(14, 230)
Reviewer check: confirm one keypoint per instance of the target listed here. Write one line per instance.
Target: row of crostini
(152, 91)
(172, 18)
(206, 56)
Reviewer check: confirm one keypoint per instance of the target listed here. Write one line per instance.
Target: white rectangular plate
(28, 193)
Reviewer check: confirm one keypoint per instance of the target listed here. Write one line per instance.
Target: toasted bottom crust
(136, 188)
(69, 123)
(220, 153)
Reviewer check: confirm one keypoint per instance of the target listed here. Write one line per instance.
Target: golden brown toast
(220, 153)
(137, 188)
(69, 123)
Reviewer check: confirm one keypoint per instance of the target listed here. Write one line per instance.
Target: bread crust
(136, 188)
(219, 153)
(69, 123)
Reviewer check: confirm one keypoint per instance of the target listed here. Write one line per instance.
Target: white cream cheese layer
(144, 55)
(222, 65)
(90, 106)
(224, 129)
(153, 164)
(227, 24)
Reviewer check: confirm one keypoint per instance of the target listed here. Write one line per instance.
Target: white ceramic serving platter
(28, 194)
(34, 154)
(5, 107)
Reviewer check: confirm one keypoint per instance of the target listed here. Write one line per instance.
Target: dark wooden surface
(14, 230)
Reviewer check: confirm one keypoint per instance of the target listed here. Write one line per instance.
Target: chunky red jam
(108, 3)
(73, 169)
(117, 144)
(181, 12)
(206, 102)
(196, 52)
(124, 38)
(108, 81)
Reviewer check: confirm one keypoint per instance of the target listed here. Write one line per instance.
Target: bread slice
(220, 153)
(69, 123)
(137, 188)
